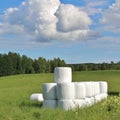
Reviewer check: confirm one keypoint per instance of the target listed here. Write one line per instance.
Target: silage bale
(37, 97)
(62, 74)
(89, 101)
(92, 100)
(65, 91)
(66, 104)
(52, 104)
(103, 96)
(103, 87)
(89, 89)
(49, 91)
(80, 90)
(79, 103)
(97, 88)
(93, 88)
(97, 98)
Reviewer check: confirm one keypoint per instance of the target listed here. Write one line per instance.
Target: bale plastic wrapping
(89, 101)
(66, 104)
(96, 88)
(50, 104)
(79, 103)
(37, 97)
(49, 91)
(103, 96)
(65, 91)
(92, 100)
(103, 87)
(89, 89)
(93, 89)
(80, 91)
(62, 74)
(98, 98)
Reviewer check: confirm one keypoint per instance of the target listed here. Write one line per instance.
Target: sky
(77, 31)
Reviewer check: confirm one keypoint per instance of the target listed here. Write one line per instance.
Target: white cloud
(95, 3)
(93, 7)
(111, 18)
(47, 20)
(71, 18)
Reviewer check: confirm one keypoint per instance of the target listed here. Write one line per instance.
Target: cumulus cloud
(71, 18)
(47, 20)
(111, 17)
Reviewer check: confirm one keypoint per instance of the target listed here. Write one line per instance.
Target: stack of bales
(66, 94)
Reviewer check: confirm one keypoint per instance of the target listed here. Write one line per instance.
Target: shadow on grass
(114, 93)
(30, 104)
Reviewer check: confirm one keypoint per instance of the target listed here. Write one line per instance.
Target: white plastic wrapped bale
(98, 98)
(66, 104)
(62, 74)
(89, 89)
(93, 89)
(89, 101)
(49, 91)
(79, 103)
(65, 91)
(80, 91)
(103, 96)
(103, 87)
(96, 88)
(92, 100)
(52, 104)
(37, 97)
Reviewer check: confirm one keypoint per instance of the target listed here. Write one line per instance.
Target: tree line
(13, 63)
(95, 66)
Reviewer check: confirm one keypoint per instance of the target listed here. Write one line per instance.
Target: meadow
(16, 90)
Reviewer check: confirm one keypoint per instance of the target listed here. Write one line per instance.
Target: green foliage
(13, 63)
(6, 67)
(56, 62)
(95, 66)
(27, 65)
(112, 104)
(16, 62)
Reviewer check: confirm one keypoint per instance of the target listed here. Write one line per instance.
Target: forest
(13, 64)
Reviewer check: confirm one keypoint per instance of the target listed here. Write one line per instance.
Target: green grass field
(16, 90)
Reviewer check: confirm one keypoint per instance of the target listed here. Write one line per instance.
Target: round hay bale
(37, 97)
(50, 104)
(62, 74)
(65, 91)
(49, 91)
(80, 91)
(66, 104)
(103, 87)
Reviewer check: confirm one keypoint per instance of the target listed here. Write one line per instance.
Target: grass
(15, 103)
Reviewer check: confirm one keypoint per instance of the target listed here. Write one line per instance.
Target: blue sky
(78, 31)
